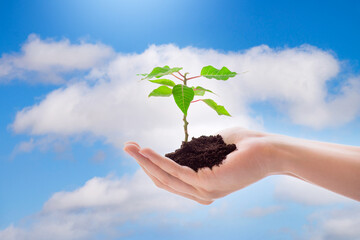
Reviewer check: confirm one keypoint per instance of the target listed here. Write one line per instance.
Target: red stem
(193, 77)
(196, 100)
(177, 77)
(180, 74)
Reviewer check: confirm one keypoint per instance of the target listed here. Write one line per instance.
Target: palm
(241, 168)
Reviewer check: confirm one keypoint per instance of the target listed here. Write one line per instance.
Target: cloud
(338, 110)
(295, 79)
(99, 156)
(118, 111)
(262, 211)
(57, 144)
(219, 209)
(335, 217)
(25, 146)
(295, 190)
(100, 207)
(335, 224)
(46, 60)
(111, 103)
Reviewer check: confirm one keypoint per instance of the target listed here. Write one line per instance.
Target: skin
(258, 155)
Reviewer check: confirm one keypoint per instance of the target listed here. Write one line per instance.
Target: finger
(160, 174)
(169, 189)
(183, 173)
(131, 142)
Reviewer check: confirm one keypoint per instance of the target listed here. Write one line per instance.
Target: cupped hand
(246, 165)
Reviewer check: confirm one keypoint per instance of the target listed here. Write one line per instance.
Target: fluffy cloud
(108, 101)
(335, 224)
(54, 143)
(111, 102)
(335, 217)
(46, 60)
(295, 190)
(98, 208)
(131, 195)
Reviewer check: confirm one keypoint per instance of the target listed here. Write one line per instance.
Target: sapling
(184, 94)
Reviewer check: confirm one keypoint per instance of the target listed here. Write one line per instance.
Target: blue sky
(67, 71)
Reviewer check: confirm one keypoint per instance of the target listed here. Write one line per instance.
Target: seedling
(184, 94)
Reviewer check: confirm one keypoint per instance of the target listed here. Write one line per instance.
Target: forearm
(332, 166)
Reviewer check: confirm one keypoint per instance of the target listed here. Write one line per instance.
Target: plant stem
(186, 123)
(193, 77)
(186, 129)
(196, 100)
(177, 77)
(185, 79)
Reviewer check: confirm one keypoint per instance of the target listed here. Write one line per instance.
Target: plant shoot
(184, 94)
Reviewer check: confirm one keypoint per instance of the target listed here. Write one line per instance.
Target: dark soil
(204, 151)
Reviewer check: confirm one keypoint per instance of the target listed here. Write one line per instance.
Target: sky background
(70, 98)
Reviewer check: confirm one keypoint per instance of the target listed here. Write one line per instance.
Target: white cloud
(296, 79)
(5, 68)
(110, 102)
(338, 110)
(335, 217)
(25, 146)
(130, 195)
(114, 105)
(45, 60)
(295, 190)
(262, 211)
(101, 206)
(99, 156)
(335, 224)
(118, 111)
(58, 144)
(219, 209)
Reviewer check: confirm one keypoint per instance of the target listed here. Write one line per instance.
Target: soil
(204, 151)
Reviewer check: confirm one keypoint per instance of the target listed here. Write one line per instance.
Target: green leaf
(200, 91)
(183, 96)
(161, 71)
(223, 74)
(166, 82)
(161, 91)
(218, 108)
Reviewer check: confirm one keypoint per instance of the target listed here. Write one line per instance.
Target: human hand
(248, 164)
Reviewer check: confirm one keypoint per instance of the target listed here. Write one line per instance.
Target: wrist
(277, 157)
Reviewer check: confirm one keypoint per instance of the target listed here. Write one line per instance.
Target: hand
(248, 164)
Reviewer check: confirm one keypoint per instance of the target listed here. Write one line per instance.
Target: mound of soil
(204, 151)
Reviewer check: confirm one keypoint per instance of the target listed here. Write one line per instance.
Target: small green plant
(184, 94)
